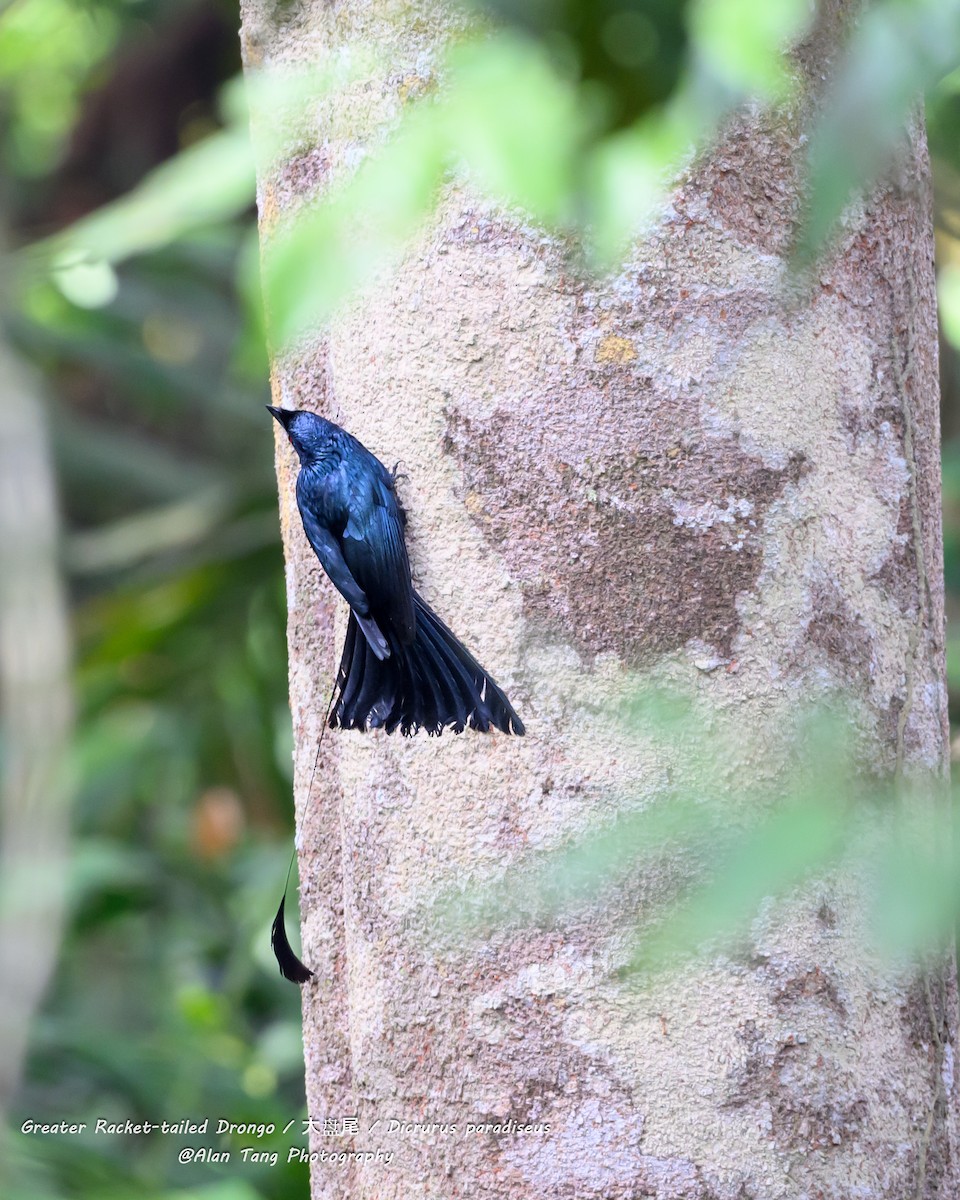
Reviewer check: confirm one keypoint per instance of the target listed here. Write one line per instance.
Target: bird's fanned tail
(435, 683)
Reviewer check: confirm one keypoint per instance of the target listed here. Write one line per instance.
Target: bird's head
(308, 433)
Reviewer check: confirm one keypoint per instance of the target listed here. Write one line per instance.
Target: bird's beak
(283, 415)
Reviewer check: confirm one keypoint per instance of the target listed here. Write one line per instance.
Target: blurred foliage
(628, 52)
(943, 126)
(734, 859)
(166, 1003)
(569, 125)
(131, 287)
(48, 49)
(917, 42)
(577, 113)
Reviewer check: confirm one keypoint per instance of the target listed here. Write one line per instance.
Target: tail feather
(428, 710)
(489, 703)
(435, 683)
(352, 672)
(402, 692)
(466, 701)
(451, 678)
(376, 694)
(361, 682)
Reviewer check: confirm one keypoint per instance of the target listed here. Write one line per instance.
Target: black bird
(401, 667)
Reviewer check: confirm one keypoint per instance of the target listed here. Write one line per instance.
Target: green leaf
(744, 43)
(209, 182)
(899, 50)
(915, 889)
(801, 839)
(516, 125)
(948, 297)
(325, 252)
(629, 174)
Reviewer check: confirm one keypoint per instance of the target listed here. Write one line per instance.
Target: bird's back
(351, 493)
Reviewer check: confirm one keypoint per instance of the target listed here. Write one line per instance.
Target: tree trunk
(672, 474)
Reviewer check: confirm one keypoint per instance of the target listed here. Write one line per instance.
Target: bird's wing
(376, 553)
(327, 549)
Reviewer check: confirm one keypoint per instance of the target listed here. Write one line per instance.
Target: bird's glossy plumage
(401, 667)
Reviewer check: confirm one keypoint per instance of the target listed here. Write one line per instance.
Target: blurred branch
(91, 449)
(132, 539)
(37, 715)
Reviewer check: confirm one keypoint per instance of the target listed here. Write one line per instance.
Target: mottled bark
(672, 475)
